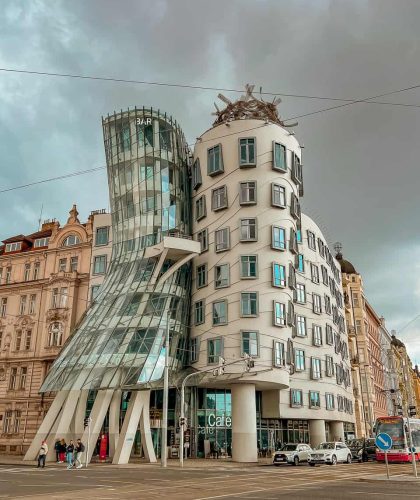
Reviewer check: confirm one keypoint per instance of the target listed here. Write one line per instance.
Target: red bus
(397, 428)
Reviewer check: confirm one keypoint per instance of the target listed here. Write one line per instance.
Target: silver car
(330, 453)
(292, 453)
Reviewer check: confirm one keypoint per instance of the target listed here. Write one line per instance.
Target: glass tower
(119, 344)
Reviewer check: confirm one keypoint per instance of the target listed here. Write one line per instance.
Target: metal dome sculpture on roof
(249, 107)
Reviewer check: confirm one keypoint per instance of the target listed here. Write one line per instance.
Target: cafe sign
(218, 420)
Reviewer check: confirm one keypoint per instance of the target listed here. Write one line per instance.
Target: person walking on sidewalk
(57, 448)
(42, 454)
(79, 449)
(63, 451)
(70, 451)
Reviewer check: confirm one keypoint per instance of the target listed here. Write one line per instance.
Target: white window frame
(256, 343)
(283, 245)
(278, 191)
(284, 155)
(252, 223)
(222, 239)
(314, 273)
(200, 207)
(279, 354)
(300, 293)
(222, 265)
(244, 190)
(200, 305)
(279, 319)
(218, 323)
(282, 271)
(317, 335)
(250, 300)
(212, 153)
(317, 303)
(247, 276)
(199, 274)
(203, 238)
(301, 326)
(249, 141)
(219, 198)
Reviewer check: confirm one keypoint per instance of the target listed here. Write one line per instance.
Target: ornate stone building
(44, 286)
(405, 395)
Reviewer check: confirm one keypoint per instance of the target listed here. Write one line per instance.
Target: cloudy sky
(361, 161)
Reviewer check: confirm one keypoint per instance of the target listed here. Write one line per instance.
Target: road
(243, 482)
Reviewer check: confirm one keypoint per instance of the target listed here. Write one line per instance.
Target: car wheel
(311, 464)
(296, 461)
(334, 460)
(348, 459)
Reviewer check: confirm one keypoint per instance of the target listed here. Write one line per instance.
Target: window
(32, 304)
(59, 297)
(13, 247)
(327, 303)
(294, 206)
(311, 240)
(27, 272)
(317, 335)
(219, 198)
(300, 263)
(299, 236)
(200, 208)
(329, 401)
(55, 334)
(22, 305)
(194, 349)
(16, 424)
(220, 313)
(214, 160)
(248, 193)
(279, 355)
(214, 350)
(221, 276)
(23, 373)
(203, 238)
(71, 240)
(296, 398)
(94, 291)
(279, 157)
(278, 238)
(8, 274)
(301, 329)
(329, 335)
(316, 305)
(221, 238)
(196, 175)
(299, 360)
(199, 317)
(3, 307)
(201, 275)
(13, 378)
(314, 399)
(63, 297)
(99, 264)
(329, 366)
(73, 264)
(249, 266)
(355, 300)
(292, 277)
(293, 246)
(248, 229)
(296, 169)
(247, 153)
(279, 314)
(314, 273)
(249, 304)
(41, 242)
(123, 137)
(279, 275)
(7, 425)
(278, 195)
(250, 344)
(28, 340)
(62, 265)
(315, 368)
(324, 272)
(102, 236)
(18, 341)
(300, 293)
(36, 271)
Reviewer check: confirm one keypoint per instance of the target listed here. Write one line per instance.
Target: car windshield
(355, 443)
(326, 446)
(288, 447)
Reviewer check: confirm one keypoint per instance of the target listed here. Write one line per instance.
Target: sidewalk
(394, 478)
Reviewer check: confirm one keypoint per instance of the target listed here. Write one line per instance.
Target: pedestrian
(70, 451)
(78, 450)
(63, 451)
(57, 448)
(42, 454)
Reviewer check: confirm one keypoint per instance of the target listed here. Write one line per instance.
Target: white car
(330, 453)
(292, 454)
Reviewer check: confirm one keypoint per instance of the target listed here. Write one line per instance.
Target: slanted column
(337, 431)
(317, 432)
(114, 421)
(244, 423)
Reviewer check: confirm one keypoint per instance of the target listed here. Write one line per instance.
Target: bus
(397, 428)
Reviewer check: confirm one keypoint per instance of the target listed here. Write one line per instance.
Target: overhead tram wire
(215, 89)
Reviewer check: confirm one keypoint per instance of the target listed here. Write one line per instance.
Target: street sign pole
(384, 442)
(386, 462)
(413, 455)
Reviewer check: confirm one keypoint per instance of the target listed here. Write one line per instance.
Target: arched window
(71, 240)
(55, 334)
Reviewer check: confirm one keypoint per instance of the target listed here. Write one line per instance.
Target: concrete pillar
(63, 429)
(316, 432)
(114, 421)
(337, 431)
(79, 416)
(244, 423)
(46, 426)
(146, 435)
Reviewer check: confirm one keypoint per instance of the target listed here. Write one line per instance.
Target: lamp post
(164, 450)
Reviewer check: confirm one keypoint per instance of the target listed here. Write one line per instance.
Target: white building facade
(265, 286)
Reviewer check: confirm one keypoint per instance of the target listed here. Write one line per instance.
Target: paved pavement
(225, 482)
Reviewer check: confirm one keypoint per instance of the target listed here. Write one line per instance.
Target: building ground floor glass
(209, 425)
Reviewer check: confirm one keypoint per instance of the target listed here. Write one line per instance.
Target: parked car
(363, 449)
(291, 453)
(330, 453)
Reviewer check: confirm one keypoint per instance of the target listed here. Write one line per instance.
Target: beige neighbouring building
(44, 292)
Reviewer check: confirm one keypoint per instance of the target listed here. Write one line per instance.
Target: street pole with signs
(87, 423)
(411, 412)
(164, 450)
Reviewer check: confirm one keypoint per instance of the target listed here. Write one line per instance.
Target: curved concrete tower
(119, 345)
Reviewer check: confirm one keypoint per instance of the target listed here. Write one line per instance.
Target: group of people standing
(70, 453)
